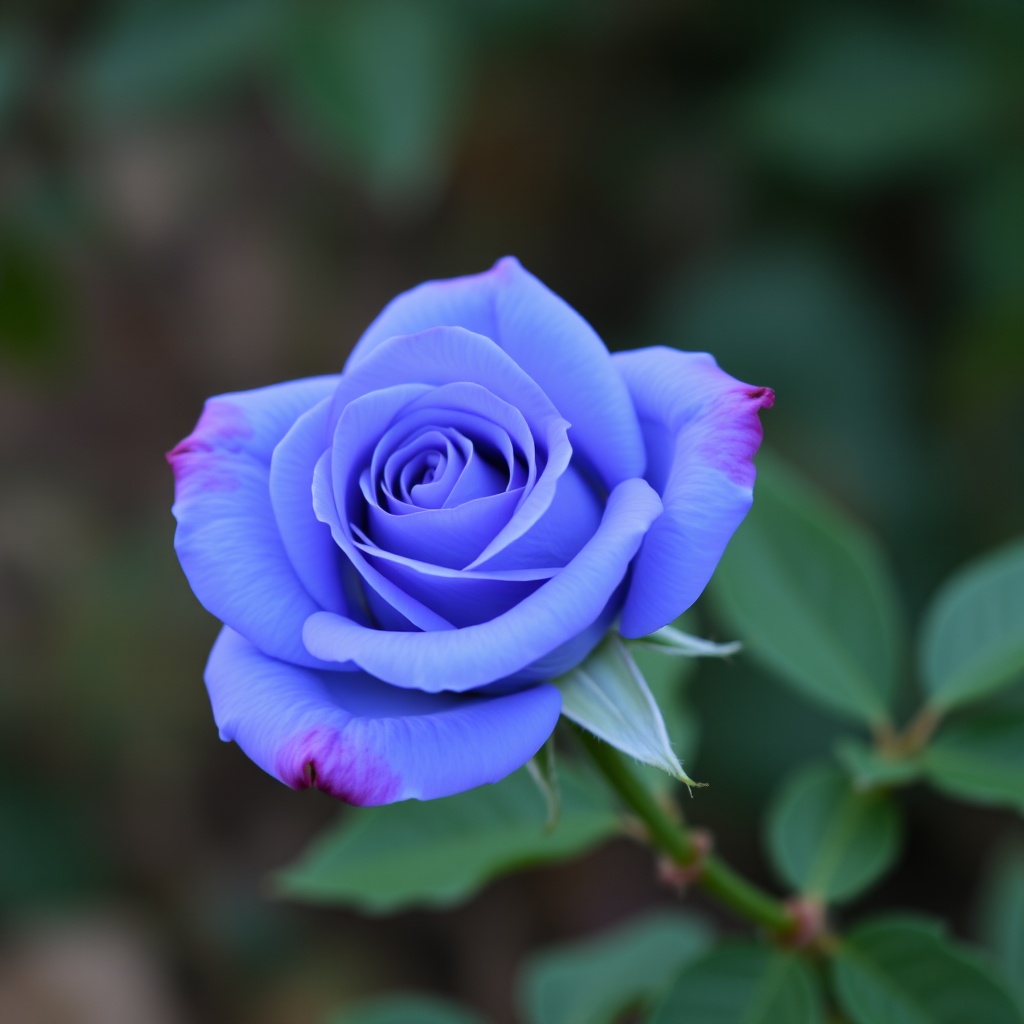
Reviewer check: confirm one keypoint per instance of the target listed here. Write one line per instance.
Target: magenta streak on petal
(735, 459)
(701, 430)
(324, 759)
(221, 427)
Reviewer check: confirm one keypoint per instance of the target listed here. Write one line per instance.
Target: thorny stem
(677, 842)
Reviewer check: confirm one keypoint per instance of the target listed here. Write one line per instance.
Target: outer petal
(474, 656)
(702, 430)
(227, 538)
(546, 337)
(364, 741)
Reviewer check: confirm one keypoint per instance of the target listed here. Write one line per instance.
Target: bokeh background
(199, 196)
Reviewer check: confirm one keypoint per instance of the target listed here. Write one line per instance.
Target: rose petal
(558, 535)
(453, 535)
(702, 429)
(442, 453)
(337, 500)
(446, 355)
(366, 742)
(363, 419)
(514, 452)
(478, 415)
(317, 560)
(569, 654)
(554, 614)
(450, 537)
(546, 337)
(227, 537)
(464, 597)
(536, 501)
(384, 598)
(364, 543)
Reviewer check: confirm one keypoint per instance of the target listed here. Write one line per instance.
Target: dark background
(211, 195)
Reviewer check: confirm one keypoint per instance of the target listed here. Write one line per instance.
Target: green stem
(744, 897)
(673, 839)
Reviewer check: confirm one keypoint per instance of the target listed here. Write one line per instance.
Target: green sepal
(544, 772)
(608, 696)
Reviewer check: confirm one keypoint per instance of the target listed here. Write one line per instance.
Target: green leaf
(743, 982)
(608, 696)
(380, 86)
(829, 841)
(1002, 916)
(384, 859)
(418, 1009)
(905, 971)
(980, 758)
(972, 641)
(162, 56)
(870, 769)
(594, 982)
(810, 595)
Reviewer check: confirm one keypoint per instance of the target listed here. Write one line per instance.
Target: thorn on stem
(680, 876)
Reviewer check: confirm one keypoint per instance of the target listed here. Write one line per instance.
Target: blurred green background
(206, 195)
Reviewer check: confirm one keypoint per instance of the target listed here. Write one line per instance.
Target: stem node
(681, 876)
(681, 846)
(810, 922)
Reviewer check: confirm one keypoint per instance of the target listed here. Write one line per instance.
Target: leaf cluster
(811, 596)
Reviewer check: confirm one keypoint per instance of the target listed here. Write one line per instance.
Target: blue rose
(405, 554)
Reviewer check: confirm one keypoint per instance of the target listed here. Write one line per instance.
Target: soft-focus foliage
(1002, 915)
(594, 983)
(973, 638)
(905, 970)
(743, 982)
(438, 854)
(406, 1010)
(811, 596)
(198, 197)
(980, 757)
(827, 840)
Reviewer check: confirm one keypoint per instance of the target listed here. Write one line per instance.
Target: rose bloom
(405, 554)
